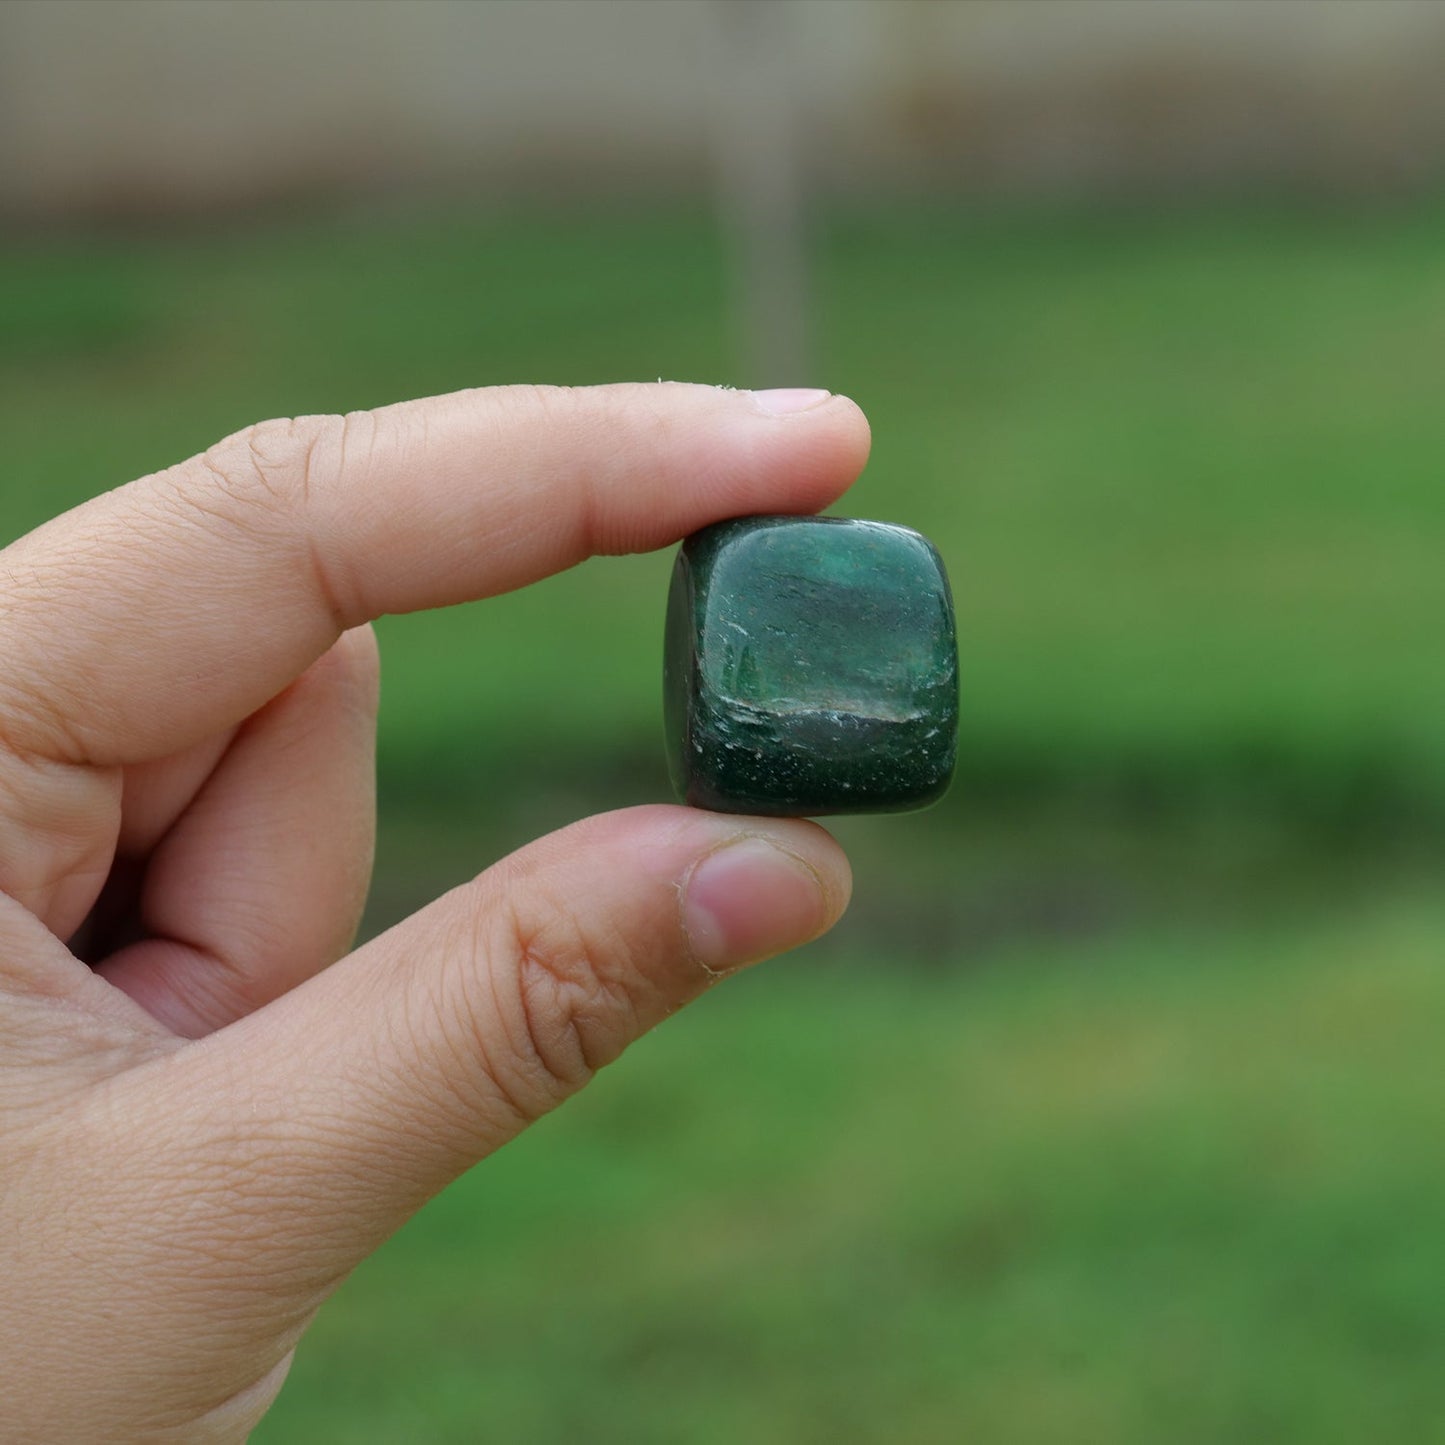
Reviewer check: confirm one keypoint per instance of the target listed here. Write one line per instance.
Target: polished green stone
(810, 667)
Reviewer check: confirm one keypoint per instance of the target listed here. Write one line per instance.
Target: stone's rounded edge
(940, 571)
(950, 764)
(679, 673)
(950, 614)
(703, 546)
(701, 796)
(935, 792)
(950, 617)
(718, 535)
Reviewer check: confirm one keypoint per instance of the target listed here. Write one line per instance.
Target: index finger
(168, 609)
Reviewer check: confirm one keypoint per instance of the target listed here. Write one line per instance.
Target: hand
(206, 1120)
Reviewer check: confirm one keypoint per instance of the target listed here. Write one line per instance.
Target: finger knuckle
(270, 464)
(272, 479)
(570, 1001)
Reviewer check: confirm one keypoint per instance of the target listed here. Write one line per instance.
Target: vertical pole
(757, 155)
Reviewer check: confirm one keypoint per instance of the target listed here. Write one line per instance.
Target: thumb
(374, 1084)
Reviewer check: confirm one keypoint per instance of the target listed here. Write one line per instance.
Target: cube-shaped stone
(810, 667)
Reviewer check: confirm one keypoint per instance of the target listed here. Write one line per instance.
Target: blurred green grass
(1163, 1162)
(1185, 1189)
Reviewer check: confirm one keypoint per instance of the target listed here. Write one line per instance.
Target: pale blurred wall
(133, 106)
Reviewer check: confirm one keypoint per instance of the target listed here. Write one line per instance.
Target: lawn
(1114, 1111)
(1184, 1189)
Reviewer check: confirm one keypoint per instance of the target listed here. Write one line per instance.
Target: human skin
(210, 1111)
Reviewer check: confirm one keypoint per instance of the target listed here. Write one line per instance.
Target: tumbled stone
(810, 667)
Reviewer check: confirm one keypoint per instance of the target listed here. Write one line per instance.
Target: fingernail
(749, 900)
(784, 401)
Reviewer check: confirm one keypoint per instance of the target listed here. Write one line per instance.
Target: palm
(238, 867)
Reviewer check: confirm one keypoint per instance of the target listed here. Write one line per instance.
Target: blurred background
(1115, 1109)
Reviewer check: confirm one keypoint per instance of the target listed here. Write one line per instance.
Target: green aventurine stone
(810, 667)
